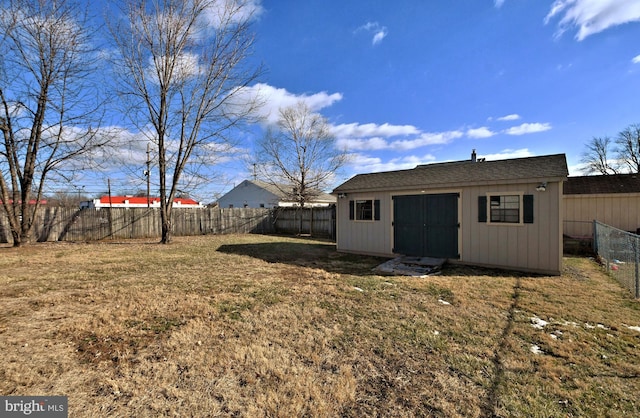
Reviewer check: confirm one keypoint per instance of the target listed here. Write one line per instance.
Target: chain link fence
(620, 252)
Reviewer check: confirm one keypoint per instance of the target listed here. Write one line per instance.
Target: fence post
(637, 269)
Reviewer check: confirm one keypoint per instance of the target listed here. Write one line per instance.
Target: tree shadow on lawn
(304, 254)
(465, 270)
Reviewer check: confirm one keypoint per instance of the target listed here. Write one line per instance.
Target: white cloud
(498, 3)
(360, 144)
(416, 141)
(636, 59)
(482, 132)
(360, 163)
(273, 98)
(379, 32)
(528, 128)
(371, 129)
(379, 36)
(427, 138)
(233, 11)
(508, 154)
(592, 16)
(513, 116)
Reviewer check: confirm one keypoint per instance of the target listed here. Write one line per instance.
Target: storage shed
(505, 214)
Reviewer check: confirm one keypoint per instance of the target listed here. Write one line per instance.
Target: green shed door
(426, 225)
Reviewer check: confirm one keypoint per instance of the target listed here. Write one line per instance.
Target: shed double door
(426, 225)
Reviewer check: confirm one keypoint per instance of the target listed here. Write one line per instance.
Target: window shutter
(482, 208)
(376, 210)
(351, 209)
(527, 210)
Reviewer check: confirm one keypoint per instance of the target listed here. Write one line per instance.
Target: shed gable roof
(459, 173)
(603, 184)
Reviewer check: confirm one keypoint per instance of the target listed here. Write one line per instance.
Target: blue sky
(412, 82)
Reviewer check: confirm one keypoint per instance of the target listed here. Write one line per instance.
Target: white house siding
(247, 193)
(535, 247)
(620, 210)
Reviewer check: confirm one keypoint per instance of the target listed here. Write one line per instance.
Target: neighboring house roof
(457, 173)
(603, 184)
(135, 200)
(279, 191)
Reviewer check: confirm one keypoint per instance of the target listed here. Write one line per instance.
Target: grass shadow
(491, 403)
(474, 271)
(307, 254)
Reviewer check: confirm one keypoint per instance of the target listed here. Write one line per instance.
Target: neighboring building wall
(137, 202)
(247, 194)
(535, 247)
(620, 210)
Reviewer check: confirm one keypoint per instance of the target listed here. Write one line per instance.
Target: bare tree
(596, 157)
(48, 103)
(65, 199)
(184, 73)
(628, 147)
(299, 156)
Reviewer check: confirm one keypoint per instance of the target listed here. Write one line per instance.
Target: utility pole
(110, 209)
(148, 174)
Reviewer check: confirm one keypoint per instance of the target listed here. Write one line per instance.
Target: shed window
(509, 209)
(505, 208)
(364, 210)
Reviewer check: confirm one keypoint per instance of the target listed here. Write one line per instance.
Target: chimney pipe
(473, 156)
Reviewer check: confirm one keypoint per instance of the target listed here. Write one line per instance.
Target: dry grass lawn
(248, 325)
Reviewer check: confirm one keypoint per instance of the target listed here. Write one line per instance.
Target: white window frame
(355, 209)
(519, 194)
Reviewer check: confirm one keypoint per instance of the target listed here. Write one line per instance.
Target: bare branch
(45, 80)
(628, 147)
(596, 157)
(299, 156)
(183, 69)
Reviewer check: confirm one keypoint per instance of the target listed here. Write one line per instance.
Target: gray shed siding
(535, 247)
(364, 237)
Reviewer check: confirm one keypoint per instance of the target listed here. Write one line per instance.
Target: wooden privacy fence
(68, 224)
(319, 222)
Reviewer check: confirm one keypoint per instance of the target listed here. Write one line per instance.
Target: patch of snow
(444, 302)
(358, 289)
(588, 326)
(436, 332)
(538, 323)
(634, 328)
(601, 326)
(536, 349)
(554, 336)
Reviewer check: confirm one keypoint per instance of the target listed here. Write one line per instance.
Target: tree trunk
(17, 242)
(167, 230)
